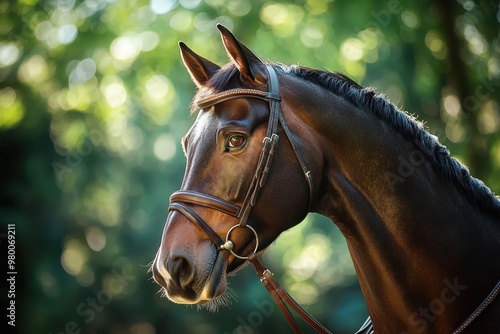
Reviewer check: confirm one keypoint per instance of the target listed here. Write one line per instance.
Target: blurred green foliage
(94, 100)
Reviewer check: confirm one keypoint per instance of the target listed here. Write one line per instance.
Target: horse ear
(250, 66)
(200, 69)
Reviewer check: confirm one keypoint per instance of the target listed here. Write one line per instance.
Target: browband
(240, 93)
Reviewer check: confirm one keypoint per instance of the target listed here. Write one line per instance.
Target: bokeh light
(94, 100)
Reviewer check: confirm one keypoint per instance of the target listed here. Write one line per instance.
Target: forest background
(94, 100)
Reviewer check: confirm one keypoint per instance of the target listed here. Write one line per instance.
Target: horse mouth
(216, 283)
(209, 289)
(210, 285)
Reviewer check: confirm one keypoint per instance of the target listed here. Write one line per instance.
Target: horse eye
(236, 141)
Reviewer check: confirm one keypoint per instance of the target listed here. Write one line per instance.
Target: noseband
(180, 200)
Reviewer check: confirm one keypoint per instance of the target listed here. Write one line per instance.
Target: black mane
(401, 122)
(404, 124)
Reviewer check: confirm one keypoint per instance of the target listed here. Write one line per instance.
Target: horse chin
(215, 293)
(216, 282)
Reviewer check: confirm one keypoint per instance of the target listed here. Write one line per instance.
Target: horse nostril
(181, 270)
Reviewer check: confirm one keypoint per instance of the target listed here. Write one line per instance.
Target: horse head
(229, 149)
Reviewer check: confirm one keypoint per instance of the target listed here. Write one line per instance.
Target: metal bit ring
(229, 245)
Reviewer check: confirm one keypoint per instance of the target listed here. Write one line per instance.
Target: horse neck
(408, 228)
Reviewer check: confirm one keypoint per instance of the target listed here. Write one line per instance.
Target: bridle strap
(487, 301)
(240, 93)
(209, 201)
(193, 217)
(281, 298)
(305, 170)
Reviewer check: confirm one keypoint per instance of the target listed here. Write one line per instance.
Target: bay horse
(423, 234)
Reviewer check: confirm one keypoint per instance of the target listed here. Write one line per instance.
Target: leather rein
(180, 198)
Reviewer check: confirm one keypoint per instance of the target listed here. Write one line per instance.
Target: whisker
(224, 300)
(162, 293)
(150, 266)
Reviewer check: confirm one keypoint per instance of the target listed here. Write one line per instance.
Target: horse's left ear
(200, 69)
(250, 66)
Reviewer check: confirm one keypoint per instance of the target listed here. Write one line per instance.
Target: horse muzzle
(186, 281)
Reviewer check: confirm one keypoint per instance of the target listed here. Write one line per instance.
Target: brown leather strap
(281, 297)
(236, 93)
(487, 301)
(300, 159)
(194, 197)
(192, 216)
(272, 285)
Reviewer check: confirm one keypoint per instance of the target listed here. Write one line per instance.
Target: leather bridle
(179, 199)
